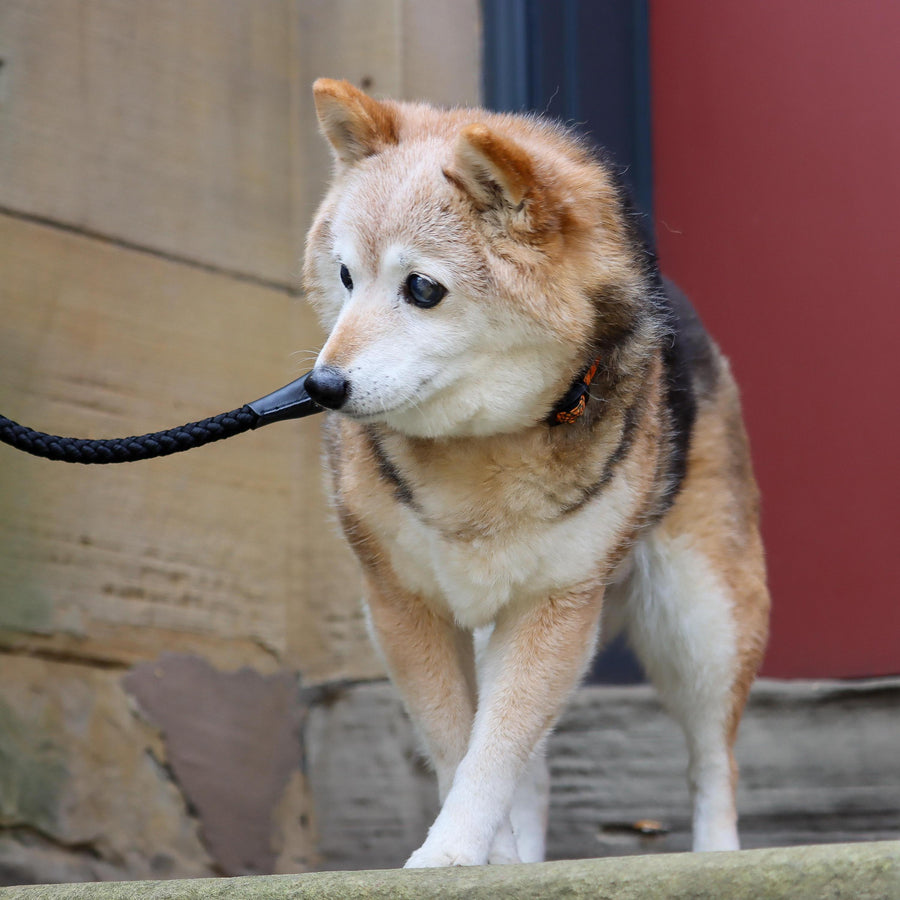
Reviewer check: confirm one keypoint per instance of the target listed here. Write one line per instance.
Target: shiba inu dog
(536, 445)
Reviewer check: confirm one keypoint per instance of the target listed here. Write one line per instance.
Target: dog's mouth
(369, 417)
(404, 404)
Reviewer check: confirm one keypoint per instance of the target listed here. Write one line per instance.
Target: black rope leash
(289, 402)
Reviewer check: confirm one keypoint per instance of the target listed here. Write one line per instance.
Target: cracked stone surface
(83, 792)
(233, 743)
(174, 770)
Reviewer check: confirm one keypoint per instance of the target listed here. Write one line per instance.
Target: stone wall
(159, 163)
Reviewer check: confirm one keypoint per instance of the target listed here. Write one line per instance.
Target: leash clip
(288, 402)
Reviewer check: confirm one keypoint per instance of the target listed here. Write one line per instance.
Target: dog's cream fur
(493, 545)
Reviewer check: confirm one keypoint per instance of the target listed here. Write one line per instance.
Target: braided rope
(129, 449)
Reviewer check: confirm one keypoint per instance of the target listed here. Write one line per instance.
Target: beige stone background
(162, 623)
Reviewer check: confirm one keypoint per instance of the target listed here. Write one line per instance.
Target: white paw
(462, 834)
(427, 857)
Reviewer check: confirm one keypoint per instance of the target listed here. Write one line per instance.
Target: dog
(534, 443)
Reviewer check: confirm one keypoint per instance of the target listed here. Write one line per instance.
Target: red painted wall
(777, 191)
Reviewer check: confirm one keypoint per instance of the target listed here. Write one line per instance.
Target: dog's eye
(423, 291)
(346, 280)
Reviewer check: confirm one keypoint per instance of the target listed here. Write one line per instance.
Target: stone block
(165, 125)
(819, 763)
(373, 796)
(225, 551)
(84, 790)
(173, 769)
(188, 128)
(232, 743)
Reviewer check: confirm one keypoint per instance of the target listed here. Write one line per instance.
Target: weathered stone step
(820, 872)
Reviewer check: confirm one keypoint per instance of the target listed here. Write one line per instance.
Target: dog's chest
(477, 539)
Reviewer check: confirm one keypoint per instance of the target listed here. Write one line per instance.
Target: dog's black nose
(327, 386)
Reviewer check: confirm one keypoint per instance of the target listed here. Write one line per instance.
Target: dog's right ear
(497, 173)
(355, 125)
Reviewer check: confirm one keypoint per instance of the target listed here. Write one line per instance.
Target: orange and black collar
(574, 401)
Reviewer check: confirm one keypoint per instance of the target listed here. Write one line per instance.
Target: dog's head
(455, 263)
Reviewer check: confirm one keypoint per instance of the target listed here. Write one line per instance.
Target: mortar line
(166, 255)
(58, 655)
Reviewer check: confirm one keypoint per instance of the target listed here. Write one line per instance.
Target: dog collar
(574, 401)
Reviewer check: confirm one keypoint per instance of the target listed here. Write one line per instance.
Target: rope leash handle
(289, 402)
(129, 449)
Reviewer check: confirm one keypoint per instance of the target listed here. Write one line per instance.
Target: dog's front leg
(430, 661)
(534, 659)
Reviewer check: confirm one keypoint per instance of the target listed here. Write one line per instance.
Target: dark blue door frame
(587, 63)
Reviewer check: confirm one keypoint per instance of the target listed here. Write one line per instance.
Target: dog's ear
(497, 173)
(355, 125)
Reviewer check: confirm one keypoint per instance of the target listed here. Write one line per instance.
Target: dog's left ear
(498, 174)
(355, 125)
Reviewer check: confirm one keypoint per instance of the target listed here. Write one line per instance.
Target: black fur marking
(615, 324)
(683, 413)
(681, 405)
(630, 422)
(690, 364)
(681, 401)
(388, 470)
(699, 350)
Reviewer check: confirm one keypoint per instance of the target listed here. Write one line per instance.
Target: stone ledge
(819, 872)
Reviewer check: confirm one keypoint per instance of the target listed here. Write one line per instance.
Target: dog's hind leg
(530, 808)
(684, 628)
(697, 608)
(522, 837)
